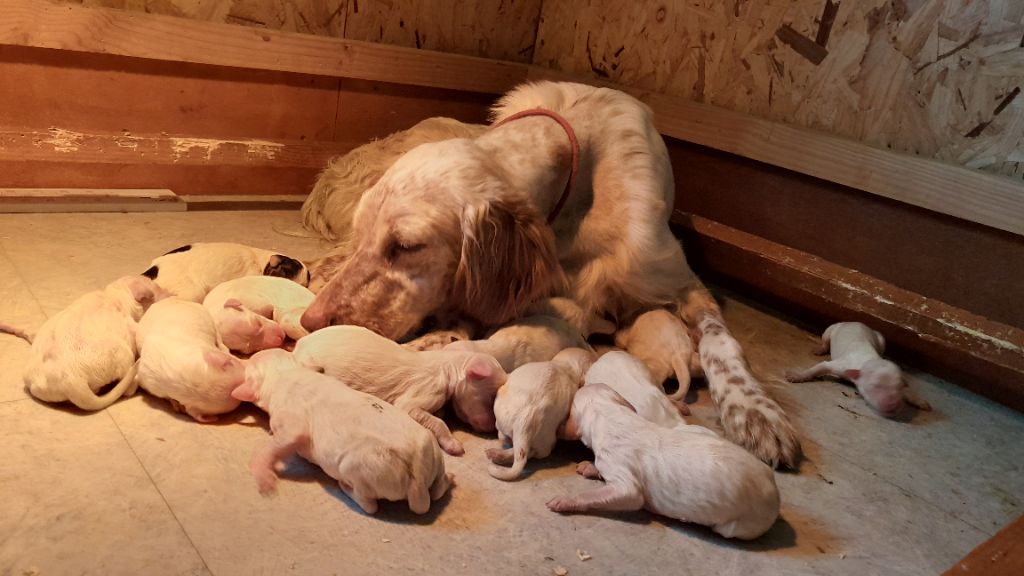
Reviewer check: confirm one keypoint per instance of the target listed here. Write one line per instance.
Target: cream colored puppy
(191, 271)
(661, 341)
(419, 383)
(531, 406)
(88, 345)
(374, 450)
(254, 313)
(697, 478)
(181, 360)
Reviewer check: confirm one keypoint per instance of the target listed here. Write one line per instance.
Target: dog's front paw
(759, 424)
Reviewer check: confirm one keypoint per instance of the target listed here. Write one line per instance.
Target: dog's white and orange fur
(458, 228)
(530, 408)
(374, 450)
(694, 477)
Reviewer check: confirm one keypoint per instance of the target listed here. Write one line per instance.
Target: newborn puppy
(628, 376)
(419, 383)
(374, 450)
(180, 360)
(279, 299)
(244, 331)
(89, 344)
(534, 338)
(660, 340)
(691, 477)
(531, 406)
(856, 357)
(191, 271)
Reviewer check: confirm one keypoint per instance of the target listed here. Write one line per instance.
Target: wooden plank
(108, 31)
(24, 200)
(944, 188)
(1000, 555)
(984, 356)
(201, 202)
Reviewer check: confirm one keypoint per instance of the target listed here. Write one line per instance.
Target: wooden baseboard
(244, 202)
(979, 354)
(24, 200)
(1000, 555)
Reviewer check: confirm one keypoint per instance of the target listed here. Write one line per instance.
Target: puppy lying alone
(258, 311)
(191, 271)
(692, 477)
(89, 344)
(374, 450)
(856, 357)
(531, 406)
(660, 340)
(180, 360)
(419, 383)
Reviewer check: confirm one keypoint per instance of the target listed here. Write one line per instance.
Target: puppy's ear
(234, 303)
(851, 374)
(245, 393)
(285, 267)
(508, 260)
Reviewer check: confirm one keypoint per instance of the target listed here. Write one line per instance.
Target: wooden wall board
(500, 30)
(979, 354)
(966, 265)
(23, 200)
(97, 92)
(934, 78)
(43, 24)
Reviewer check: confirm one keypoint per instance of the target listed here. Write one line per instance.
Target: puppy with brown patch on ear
(508, 260)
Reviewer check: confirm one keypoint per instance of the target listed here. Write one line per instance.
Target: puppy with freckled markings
(89, 344)
(530, 408)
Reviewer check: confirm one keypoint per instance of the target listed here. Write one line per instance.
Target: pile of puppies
(362, 407)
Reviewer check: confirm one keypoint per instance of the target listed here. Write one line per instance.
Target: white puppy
(531, 339)
(856, 357)
(531, 406)
(660, 340)
(629, 377)
(180, 360)
(89, 344)
(244, 331)
(191, 271)
(419, 383)
(258, 311)
(691, 477)
(374, 450)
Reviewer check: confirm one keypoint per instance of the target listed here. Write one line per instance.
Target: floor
(138, 489)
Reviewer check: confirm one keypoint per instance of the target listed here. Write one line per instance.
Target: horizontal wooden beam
(24, 200)
(985, 356)
(42, 24)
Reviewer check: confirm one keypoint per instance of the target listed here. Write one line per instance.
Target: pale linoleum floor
(137, 489)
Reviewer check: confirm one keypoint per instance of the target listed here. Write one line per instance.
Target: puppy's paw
(588, 470)
(794, 376)
(266, 482)
(452, 446)
(500, 456)
(564, 505)
(683, 407)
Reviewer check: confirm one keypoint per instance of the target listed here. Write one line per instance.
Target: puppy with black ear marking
(89, 344)
(191, 271)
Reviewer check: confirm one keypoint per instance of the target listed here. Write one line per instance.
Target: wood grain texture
(1001, 555)
(109, 31)
(984, 356)
(923, 77)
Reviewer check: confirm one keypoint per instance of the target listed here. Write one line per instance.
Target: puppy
(180, 360)
(629, 377)
(531, 406)
(89, 344)
(856, 357)
(419, 383)
(531, 339)
(244, 331)
(191, 271)
(264, 302)
(374, 450)
(661, 341)
(691, 477)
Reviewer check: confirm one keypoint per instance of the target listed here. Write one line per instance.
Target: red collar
(573, 142)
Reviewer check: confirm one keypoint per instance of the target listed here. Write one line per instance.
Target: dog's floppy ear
(508, 260)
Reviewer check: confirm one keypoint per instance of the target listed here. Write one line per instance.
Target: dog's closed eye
(398, 248)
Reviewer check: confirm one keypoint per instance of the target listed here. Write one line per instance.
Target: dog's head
(439, 232)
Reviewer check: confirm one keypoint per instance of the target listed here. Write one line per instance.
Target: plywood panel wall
(936, 78)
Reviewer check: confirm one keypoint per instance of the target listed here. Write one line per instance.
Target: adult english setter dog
(459, 228)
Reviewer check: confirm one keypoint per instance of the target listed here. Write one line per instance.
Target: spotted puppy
(692, 477)
(88, 345)
(530, 408)
(191, 271)
(419, 383)
(374, 450)
(856, 356)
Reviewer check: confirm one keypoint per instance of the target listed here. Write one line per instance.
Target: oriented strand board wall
(937, 78)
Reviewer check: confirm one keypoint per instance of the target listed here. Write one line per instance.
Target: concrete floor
(137, 489)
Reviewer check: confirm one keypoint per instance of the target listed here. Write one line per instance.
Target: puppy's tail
(521, 446)
(681, 366)
(82, 396)
(23, 334)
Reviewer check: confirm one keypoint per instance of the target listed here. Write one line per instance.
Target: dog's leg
(610, 497)
(750, 418)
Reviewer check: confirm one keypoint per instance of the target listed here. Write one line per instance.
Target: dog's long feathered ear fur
(508, 260)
